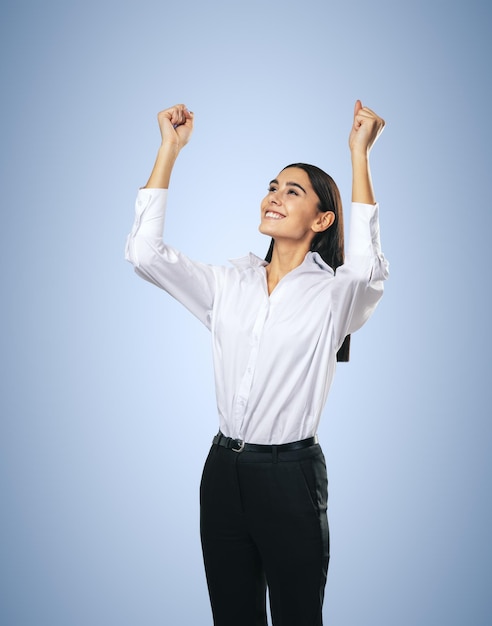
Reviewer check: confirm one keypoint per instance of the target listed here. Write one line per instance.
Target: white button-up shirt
(274, 355)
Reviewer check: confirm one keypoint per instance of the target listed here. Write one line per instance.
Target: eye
(293, 192)
(272, 188)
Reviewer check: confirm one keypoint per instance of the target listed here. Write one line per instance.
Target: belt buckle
(240, 444)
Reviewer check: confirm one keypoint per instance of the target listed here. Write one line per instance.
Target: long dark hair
(329, 244)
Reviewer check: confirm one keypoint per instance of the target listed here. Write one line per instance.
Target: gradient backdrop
(104, 377)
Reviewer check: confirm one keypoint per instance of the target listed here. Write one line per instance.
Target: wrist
(169, 148)
(359, 155)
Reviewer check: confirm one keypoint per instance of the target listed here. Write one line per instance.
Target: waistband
(237, 445)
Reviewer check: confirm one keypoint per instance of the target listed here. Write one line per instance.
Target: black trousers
(264, 525)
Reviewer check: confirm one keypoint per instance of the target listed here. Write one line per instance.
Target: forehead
(295, 175)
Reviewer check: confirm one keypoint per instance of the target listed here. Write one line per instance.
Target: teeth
(275, 216)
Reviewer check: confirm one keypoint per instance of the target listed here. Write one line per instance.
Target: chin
(265, 229)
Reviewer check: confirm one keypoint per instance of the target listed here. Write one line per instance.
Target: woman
(277, 327)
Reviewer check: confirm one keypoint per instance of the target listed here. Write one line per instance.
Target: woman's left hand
(366, 129)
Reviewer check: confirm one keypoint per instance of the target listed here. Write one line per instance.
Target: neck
(284, 260)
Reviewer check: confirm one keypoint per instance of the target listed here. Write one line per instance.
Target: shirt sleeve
(193, 284)
(359, 281)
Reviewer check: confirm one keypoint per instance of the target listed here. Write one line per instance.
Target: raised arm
(176, 125)
(191, 283)
(365, 130)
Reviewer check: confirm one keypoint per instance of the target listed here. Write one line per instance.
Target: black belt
(236, 445)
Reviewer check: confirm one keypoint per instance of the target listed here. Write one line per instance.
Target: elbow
(149, 256)
(131, 250)
(138, 252)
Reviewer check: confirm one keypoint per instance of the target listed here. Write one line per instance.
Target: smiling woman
(277, 325)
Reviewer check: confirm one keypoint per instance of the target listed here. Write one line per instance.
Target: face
(290, 209)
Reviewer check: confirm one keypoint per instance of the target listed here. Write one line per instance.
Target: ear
(323, 221)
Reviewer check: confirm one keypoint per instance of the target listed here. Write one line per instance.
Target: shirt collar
(315, 257)
(250, 260)
(253, 261)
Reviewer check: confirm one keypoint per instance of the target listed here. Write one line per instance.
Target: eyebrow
(290, 183)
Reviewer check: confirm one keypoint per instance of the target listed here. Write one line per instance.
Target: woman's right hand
(176, 125)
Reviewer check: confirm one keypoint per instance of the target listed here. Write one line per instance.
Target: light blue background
(102, 374)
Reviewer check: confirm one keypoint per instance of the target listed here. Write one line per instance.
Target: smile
(274, 215)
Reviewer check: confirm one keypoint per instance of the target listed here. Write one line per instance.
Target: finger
(182, 114)
(357, 107)
(167, 113)
(189, 119)
(368, 110)
(366, 116)
(369, 113)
